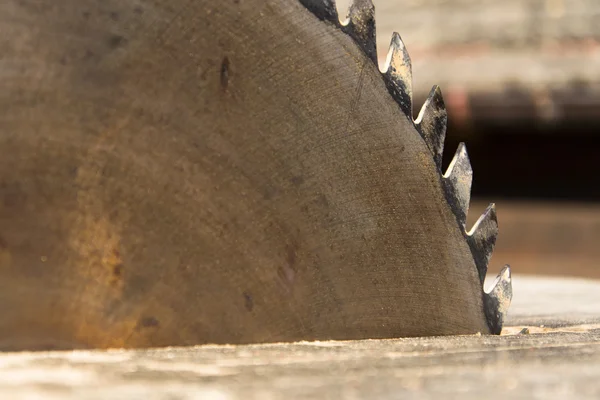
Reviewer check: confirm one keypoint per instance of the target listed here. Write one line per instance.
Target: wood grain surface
(559, 358)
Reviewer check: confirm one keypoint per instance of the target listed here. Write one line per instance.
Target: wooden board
(559, 358)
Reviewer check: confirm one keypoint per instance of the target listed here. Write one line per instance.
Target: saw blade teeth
(325, 10)
(458, 178)
(482, 239)
(432, 122)
(431, 125)
(360, 25)
(398, 72)
(497, 300)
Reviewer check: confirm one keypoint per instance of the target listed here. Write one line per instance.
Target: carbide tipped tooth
(458, 178)
(325, 10)
(482, 239)
(360, 25)
(432, 122)
(498, 300)
(398, 74)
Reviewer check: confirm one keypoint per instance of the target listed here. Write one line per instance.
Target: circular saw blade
(187, 172)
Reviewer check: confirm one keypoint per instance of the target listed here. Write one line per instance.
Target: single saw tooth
(497, 300)
(482, 239)
(325, 10)
(458, 179)
(360, 25)
(432, 122)
(398, 74)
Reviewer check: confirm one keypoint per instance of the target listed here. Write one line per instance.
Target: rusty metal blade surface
(183, 172)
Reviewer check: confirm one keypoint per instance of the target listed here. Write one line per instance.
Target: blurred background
(521, 81)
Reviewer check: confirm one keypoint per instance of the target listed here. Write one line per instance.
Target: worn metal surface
(185, 172)
(558, 360)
